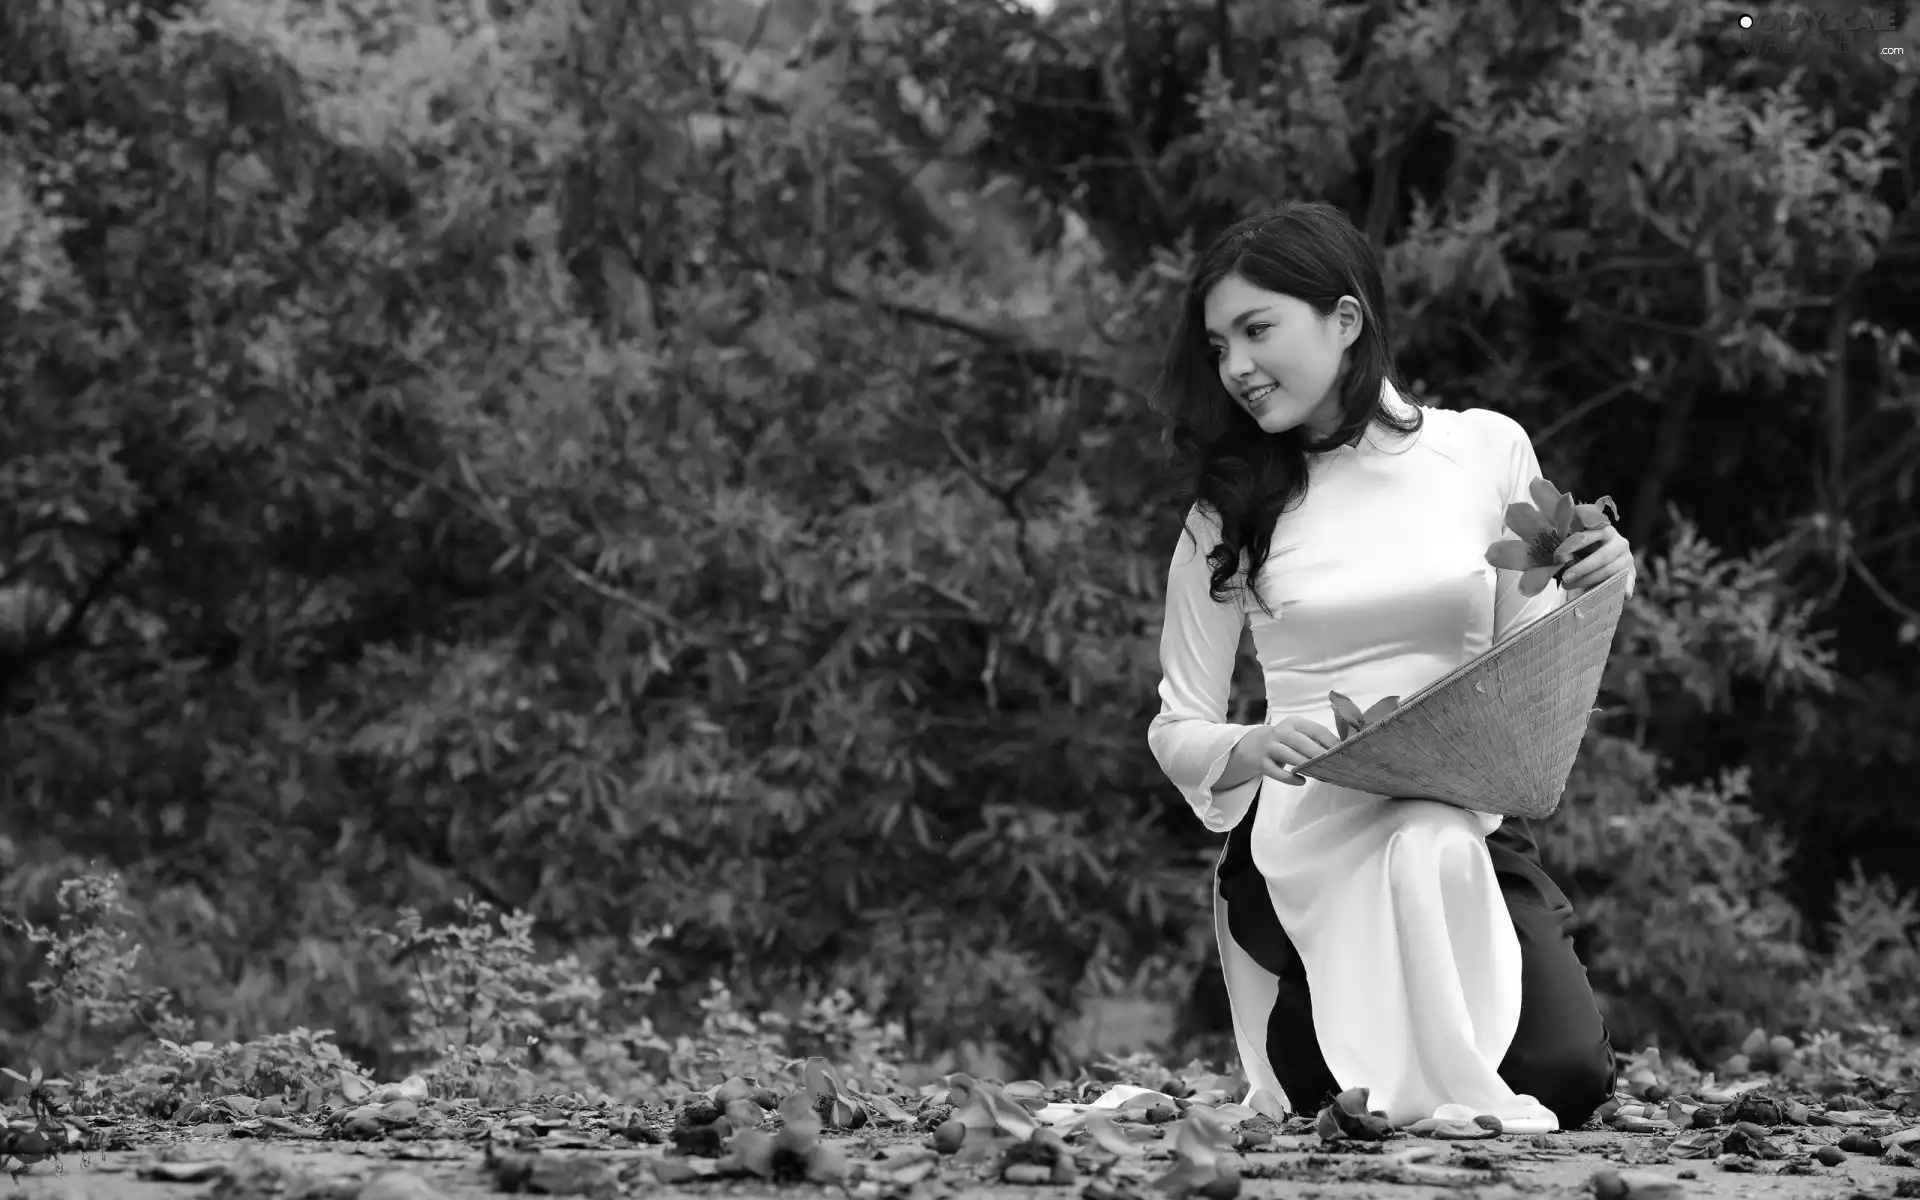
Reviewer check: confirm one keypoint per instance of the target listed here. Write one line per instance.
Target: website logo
(1787, 33)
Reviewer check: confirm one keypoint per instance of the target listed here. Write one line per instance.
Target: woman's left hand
(1609, 556)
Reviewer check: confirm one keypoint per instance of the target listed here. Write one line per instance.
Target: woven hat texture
(1498, 733)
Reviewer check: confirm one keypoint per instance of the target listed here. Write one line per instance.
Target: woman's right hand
(1274, 750)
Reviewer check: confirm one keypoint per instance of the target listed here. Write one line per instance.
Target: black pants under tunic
(1561, 1054)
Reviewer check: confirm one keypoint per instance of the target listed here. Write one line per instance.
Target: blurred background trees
(683, 468)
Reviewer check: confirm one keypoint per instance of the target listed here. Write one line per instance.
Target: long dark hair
(1229, 465)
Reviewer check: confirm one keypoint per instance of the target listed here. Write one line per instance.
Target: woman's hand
(1274, 750)
(1609, 555)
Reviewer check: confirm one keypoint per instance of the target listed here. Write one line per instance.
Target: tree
(703, 480)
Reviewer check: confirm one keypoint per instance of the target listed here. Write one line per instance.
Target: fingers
(1579, 543)
(1291, 743)
(1324, 738)
(1279, 763)
(1603, 564)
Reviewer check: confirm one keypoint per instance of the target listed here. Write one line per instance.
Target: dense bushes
(657, 484)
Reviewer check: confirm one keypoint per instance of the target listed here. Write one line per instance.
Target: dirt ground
(1559, 1165)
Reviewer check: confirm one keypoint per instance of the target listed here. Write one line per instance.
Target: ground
(215, 1163)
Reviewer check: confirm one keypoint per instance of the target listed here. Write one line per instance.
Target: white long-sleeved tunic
(1378, 584)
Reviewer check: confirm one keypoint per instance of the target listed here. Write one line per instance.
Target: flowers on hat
(1542, 527)
(1348, 718)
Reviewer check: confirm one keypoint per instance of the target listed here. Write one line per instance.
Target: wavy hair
(1228, 465)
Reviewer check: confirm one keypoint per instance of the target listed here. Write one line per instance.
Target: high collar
(1373, 439)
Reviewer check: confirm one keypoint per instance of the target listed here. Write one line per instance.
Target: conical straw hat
(1499, 732)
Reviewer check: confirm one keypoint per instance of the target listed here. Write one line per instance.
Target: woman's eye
(1258, 327)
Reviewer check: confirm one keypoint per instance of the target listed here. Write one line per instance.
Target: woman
(1406, 946)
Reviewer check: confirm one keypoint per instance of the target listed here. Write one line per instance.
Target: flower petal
(1346, 714)
(1546, 497)
(1511, 555)
(1589, 516)
(1563, 516)
(1527, 522)
(1537, 578)
(1382, 708)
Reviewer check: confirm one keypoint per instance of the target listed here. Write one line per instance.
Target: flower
(1542, 526)
(1348, 718)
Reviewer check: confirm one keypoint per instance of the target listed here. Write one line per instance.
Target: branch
(1059, 362)
(68, 634)
(1585, 407)
(1671, 437)
(1879, 590)
(1122, 111)
(1386, 190)
(1892, 458)
(1832, 488)
(479, 505)
(1009, 497)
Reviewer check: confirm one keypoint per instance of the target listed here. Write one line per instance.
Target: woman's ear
(1348, 319)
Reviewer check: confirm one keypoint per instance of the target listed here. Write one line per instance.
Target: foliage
(90, 972)
(695, 491)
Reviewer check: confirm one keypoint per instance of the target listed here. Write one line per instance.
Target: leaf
(1611, 1184)
(981, 1106)
(1455, 1131)
(354, 1088)
(801, 1125)
(1906, 1137)
(1105, 1134)
(829, 1098)
(1349, 1117)
(751, 1150)
(1200, 1140)
(908, 1167)
(883, 1107)
(1698, 1143)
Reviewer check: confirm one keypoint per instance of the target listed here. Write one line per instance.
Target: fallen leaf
(829, 1098)
(981, 1106)
(1201, 1142)
(800, 1123)
(908, 1167)
(734, 1088)
(182, 1172)
(1906, 1137)
(1453, 1131)
(1700, 1143)
(398, 1185)
(884, 1108)
(950, 1135)
(752, 1151)
(1106, 1135)
(1348, 1117)
(826, 1163)
(1609, 1184)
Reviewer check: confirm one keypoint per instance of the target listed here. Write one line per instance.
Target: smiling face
(1278, 358)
